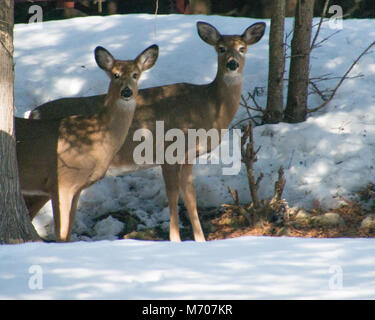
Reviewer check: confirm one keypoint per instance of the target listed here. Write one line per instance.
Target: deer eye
(135, 75)
(116, 76)
(242, 49)
(222, 49)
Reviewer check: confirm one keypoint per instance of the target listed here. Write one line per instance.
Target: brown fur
(57, 159)
(183, 106)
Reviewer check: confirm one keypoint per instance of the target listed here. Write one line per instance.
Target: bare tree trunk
(296, 108)
(15, 224)
(274, 109)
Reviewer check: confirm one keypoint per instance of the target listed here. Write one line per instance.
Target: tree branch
(343, 78)
(324, 12)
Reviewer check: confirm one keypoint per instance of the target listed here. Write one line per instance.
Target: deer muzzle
(126, 92)
(233, 65)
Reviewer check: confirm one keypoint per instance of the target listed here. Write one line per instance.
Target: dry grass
(227, 222)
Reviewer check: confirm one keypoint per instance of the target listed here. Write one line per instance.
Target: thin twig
(258, 107)
(343, 78)
(325, 78)
(317, 90)
(324, 12)
(247, 119)
(317, 45)
(156, 15)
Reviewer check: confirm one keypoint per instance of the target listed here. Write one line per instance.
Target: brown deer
(183, 106)
(57, 159)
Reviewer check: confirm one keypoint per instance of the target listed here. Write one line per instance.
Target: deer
(58, 158)
(181, 105)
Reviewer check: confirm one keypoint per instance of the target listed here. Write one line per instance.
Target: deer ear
(104, 59)
(254, 33)
(148, 57)
(208, 33)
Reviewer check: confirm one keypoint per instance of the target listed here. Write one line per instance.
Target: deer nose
(126, 92)
(232, 65)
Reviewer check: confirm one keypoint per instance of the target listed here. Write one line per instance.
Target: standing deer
(183, 106)
(57, 159)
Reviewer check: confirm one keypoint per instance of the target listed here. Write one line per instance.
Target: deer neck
(227, 89)
(117, 115)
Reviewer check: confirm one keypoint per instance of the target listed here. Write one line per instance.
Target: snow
(242, 268)
(329, 156)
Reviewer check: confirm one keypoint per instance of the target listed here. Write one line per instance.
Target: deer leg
(171, 175)
(73, 212)
(34, 204)
(189, 197)
(64, 205)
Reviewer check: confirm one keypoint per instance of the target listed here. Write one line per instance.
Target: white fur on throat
(126, 105)
(232, 78)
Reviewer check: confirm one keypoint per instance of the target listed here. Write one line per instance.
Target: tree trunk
(275, 97)
(15, 224)
(296, 108)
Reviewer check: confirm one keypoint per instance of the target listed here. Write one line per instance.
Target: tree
(15, 224)
(274, 109)
(296, 108)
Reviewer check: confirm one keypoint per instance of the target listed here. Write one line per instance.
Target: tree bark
(296, 108)
(15, 224)
(275, 96)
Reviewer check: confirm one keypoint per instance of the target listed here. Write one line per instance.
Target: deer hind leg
(34, 204)
(64, 210)
(189, 197)
(171, 175)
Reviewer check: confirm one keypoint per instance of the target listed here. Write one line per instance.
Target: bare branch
(249, 158)
(279, 185)
(325, 77)
(324, 12)
(318, 44)
(318, 91)
(342, 80)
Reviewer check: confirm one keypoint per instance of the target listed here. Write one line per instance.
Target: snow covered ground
(330, 155)
(242, 268)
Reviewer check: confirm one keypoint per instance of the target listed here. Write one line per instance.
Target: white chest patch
(126, 105)
(232, 78)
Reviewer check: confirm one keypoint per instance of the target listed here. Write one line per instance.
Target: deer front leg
(64, 209)
(34, 204)
(189, 197)
(171, 175)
